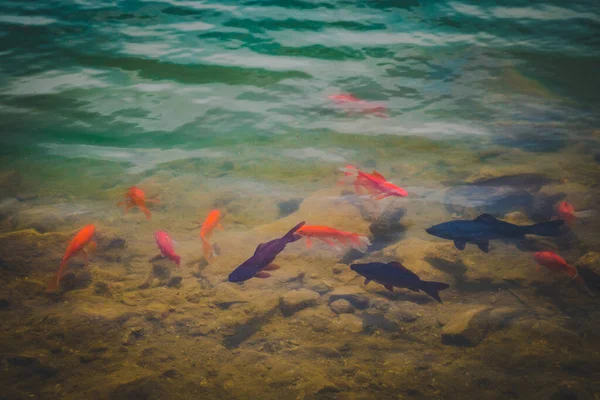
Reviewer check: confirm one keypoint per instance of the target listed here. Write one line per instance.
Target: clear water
(225, 105)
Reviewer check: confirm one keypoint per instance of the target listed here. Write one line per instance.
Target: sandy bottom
(132, 326)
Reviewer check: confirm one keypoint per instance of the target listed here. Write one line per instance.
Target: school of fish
(479, 231)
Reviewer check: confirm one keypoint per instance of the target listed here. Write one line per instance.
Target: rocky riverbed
(131, 325)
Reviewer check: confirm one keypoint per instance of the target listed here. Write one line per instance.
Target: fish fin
(291, 236)
(308, 243)
(85, 257)
(367, 280)
(146, 212)
(459, 244)
(259, 248)
(262, 275)
(433, 288)
(219, 226)
(378, 175)
(381, 196)
(486, 217)
(484, 246)
(207, 249)
(389, 287)
(272, 267)
(329, 242)
(538, 268)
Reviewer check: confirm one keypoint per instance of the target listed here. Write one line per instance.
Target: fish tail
(147, 212)
(360, 242)
(292, 236)
(433, 288)
(55, 280)
(549, 228)
(208, 249)
(177, 260)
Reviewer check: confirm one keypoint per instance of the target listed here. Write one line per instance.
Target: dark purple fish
(257, 265)
(395, 274)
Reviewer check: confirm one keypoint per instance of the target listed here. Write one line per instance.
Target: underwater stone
(4, 302)
(226, 166)
(298, 300)
(341, 306)
(467, 329)
(351, 323)
(353, 294)
(130, 335)
(322, 287)
(175, 281)
(149, 388)
(161, 271)
(590, 260)
(101, 288)
(288, 207)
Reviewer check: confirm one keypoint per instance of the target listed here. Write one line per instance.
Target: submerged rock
(130, 335)
(297, 300)
(356, 296)
(148, 388)
(288, 207)
(341, 306)
(467, 329)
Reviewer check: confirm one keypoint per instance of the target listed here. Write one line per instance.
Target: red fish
(165, 244)
(82, 238)
(135, 197)
(354, 104)
(374, 183)
(327, 235)
(566, 211)
(212, 221)
(554, 263)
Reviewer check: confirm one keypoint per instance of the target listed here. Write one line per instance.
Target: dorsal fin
(401, 267)
(259, 248)
(485, 217)
(378, 175)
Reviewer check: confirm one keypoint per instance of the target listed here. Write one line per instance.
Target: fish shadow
(406, 295)
(462, 283)
(245, 331)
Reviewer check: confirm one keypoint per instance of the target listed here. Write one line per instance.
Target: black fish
(395, 274)
(485, 228)
(264, 255)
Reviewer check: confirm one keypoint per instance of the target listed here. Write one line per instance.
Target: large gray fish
(257, 265)
(395, 274)
(485, 228)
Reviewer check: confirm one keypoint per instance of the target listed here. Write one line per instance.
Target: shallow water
(226, 105)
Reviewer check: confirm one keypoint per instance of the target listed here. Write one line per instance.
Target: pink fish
(352, 103)
(165, 244)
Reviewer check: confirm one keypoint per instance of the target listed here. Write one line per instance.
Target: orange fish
(210, 223)
(354, 104)
(327, 235)
(136, 197)
(374, 183)
(83, 237)
(554, 263)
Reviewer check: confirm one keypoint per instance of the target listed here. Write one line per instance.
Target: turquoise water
(207, 104)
